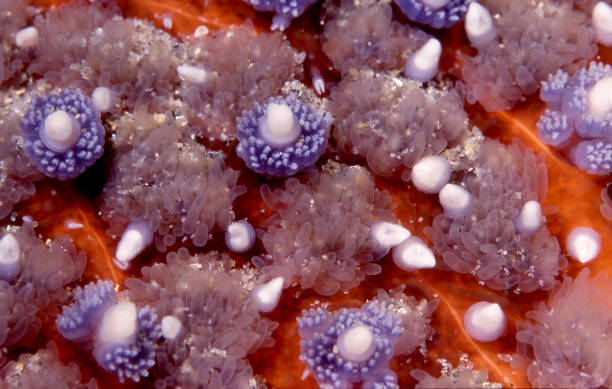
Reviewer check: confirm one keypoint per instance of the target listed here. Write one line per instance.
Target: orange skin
(575, 193)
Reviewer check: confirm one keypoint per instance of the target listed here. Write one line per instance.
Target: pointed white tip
(26, 37)
(455, 200)
(413, 254)
(357, 344)
(602, 21)
(171, 327)
(431, 173)
(60, 131)
(136, 237)
(319, 84)
(119, 324)
(423, 64)
(387, 234)
(240, 237)
(530, 219)
(103, 98)
(192, 74)
(479, 25)
(583, 244)
(599, 98)
(484, 321)
(10, 257)
(266, 296)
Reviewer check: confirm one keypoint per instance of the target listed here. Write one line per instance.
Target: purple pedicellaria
(436, 14)
(44, 127)
(281, 144)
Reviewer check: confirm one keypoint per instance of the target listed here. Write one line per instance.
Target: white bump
(278, 126)
(583, 244)
(479, 25)
(119, 324)
(602, 21)
(387, 234)
(455, 200)
(103, 98)
(60, 131)
(356, 344)
(423, 64)
(192, 74)
(484, 321)
(266, 296)
(26, 37)
(171, 327)
(431, 173)
(599, 98)
(239, 237)
(136, 237)
(413, 254)
(530, 219)
(10, 257)
(435, 4)
(72, 225)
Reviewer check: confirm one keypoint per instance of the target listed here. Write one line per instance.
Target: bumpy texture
(244, 68)
(568, 342)
(78, 320)
(133, 360)
(319, 235)
(505, 71)
(14, 15)
(463, 376)
(391, 321)
(569, 114)
(31, 370)
(285, 10)
(379, 43)
(17, 174)
(39, 288)
(484, 242)
(206, 294)
(444, 17)
(135, 60)
(285, 161)
(392, 122)
(88, 148)
(161, 169)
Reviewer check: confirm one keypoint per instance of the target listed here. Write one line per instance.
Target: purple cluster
(78, 320)
(443, 17)
(320, 330)
(286, 10)
(87, 149)
(286, 161)
(133, 360)
(569, 114)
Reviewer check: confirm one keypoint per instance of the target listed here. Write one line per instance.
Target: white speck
(171, 327)
(423, 64)
(602, 21)
(431, 173)
(455, 200)
(27, 37)
(387, 234)
(479, 25)
(484, 321)
(266, 296)
(136, 237)
(10, 257)
(240, 236)
(200, 31)
(583, 244)
(72, 225)
(103, 98)
(413, 254)
(167, 22)
(192, 74)
(356, 344)
(530, 219)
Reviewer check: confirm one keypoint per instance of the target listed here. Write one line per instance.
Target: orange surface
(575, 193)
